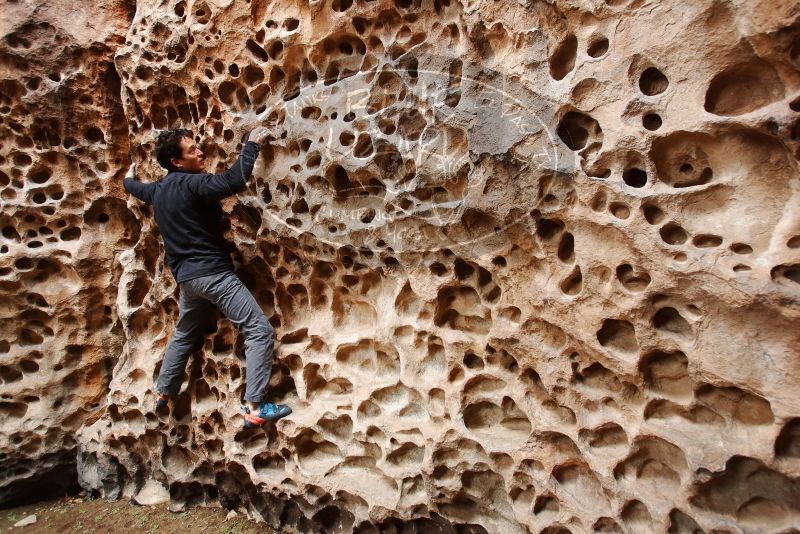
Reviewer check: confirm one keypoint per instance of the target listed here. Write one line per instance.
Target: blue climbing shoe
(266, 412)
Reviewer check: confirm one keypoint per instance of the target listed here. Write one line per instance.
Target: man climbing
(186, 203)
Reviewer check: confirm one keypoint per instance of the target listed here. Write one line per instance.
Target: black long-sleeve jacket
(189, 216)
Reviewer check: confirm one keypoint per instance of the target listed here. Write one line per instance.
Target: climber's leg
(236, 302)
(194, 314)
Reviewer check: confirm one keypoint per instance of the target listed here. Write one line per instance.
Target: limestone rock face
(532, 266)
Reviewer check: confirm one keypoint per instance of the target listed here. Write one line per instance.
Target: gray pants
(197, 299)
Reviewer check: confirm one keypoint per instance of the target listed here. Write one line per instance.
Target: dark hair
(168, 146)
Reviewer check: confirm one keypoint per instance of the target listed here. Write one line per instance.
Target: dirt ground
(75, 514)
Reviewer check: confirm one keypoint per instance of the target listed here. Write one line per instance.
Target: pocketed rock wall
(63, 224)
(532, 266)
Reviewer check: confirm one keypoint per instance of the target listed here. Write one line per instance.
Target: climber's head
(176, 151)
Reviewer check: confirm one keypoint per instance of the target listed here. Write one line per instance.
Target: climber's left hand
(131, 172)
(260, 135)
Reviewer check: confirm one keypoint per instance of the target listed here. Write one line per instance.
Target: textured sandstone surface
(63, 224)
(532, 266)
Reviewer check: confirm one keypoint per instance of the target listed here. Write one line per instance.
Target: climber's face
(192, 158)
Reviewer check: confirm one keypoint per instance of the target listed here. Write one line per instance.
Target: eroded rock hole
(673, 234)
(577, 129)
(94, 135)
(363, 147)
(668, 319)
(743, 88)
(619, 210)
(573, 284)
(547, 229)
(40, 175)
(341, 5)
(566, 249)
(788, 443)
(634, 177)
(632, 280)
(70, 234)
(563, 59)
(653, 214)
(651, 121)
(618, 335)
(786, 273)
(598, 47)
(653, 82)
(257, 51)
(706, 241)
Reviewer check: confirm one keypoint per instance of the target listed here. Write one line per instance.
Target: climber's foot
(266, 412)
(161, 401)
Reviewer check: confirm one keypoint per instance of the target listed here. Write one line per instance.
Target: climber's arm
(143, 192)
(230, 182)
